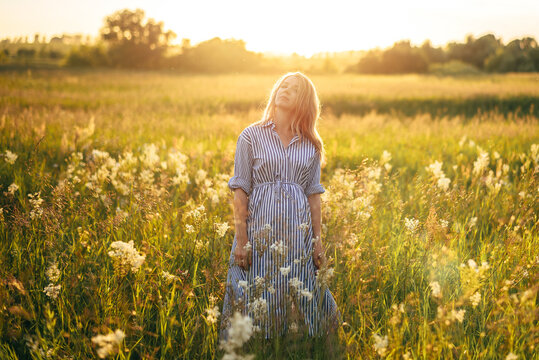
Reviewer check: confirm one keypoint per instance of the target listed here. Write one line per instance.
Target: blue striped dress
(279, 291)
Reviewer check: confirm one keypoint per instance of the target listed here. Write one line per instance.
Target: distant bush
(453, 68)
(87, 56)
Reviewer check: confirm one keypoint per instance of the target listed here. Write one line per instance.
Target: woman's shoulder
(252, 130)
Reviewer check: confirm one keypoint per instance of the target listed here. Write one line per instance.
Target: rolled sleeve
(314, 186)
(243, 164)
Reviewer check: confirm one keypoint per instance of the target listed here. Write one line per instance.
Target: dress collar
(269, 123)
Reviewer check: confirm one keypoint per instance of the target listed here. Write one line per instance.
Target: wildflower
(436, 170)
(10, 157)
(53, 273)
(168, 276)
(475, 299)
(458, 315)
(108, 344)
(259, 281)
(411, 224)
(52, 291)
(239, 332)
(295, 283)
(36, 201)
(385, 158)
(435, 289)
(285, 270)
(511, 356)
(242, 284)
(380, 344)
(248, 246)
(279, 247)
(294, 327)
(221, 229)
(212, 314)
(267, 227)
(481, 163)
(444, 223)
(200, 176)
(473, 222)
(305, 292)
(271, 289)
(443, 183)
(259, 308)
(304, 227)
(189, 229)
(125, 255)
(12, 188)
(324, 275)
(472, 264)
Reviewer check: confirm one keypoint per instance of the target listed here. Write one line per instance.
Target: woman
(277, 246)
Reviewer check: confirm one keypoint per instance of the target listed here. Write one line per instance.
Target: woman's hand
(319, 257)
(242, 254)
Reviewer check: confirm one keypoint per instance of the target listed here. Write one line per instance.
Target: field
(430, 214)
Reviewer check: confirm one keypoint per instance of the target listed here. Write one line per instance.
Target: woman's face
(287, 93)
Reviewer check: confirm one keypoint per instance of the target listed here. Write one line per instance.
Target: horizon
(415, 21)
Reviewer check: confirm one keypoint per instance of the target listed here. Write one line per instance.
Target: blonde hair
(306, 111)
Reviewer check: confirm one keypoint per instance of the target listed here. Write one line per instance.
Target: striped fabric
(279, 291)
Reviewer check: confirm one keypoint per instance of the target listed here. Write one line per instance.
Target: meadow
(116, 222)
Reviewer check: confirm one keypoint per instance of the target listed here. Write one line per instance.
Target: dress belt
(277, 187)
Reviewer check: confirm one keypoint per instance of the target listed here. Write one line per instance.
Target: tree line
(129, 40)
(486, 53)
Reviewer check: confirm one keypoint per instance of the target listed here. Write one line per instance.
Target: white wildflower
(108, 344)
(295, 283)
(11, 157)
(189, 229)
(168, 276)
(259, 308)
(271, 289)
(52, 291)
(458, 315)
(285, 270)
(125, 256)
(475, 299)
(12, 188)
(200, 176)
(481, 163)
(444, 223)
(511, 356)
(411, 225)
(380, 344)
(242, 284)
(267, 227)
(436, 290)
(279, 247)
(221, 229)
(324, 275)
(53, 273)
(212, 314)
(36, 201)
(304, 226)
(305, 292)
(385, 158)
(239, 332)
(472, 222)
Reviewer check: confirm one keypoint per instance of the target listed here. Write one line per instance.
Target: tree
(133, 41)
(217, 56)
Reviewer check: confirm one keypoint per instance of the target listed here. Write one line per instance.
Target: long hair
(306, 110)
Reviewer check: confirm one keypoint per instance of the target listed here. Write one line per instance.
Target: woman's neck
(283, 120)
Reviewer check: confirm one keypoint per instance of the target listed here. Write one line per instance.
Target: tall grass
(422, 269)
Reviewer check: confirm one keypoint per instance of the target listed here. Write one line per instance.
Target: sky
(287, 26)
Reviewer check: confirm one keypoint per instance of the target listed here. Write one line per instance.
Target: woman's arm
(240, 227)
(319, 256)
